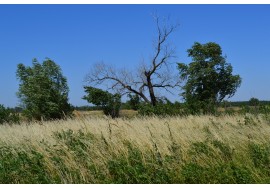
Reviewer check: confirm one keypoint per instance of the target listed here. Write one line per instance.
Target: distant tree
(254, 102)
(8, 116)
(134, 101)
(147, 79)
(209, 77)
(110, 103)
(43, 90)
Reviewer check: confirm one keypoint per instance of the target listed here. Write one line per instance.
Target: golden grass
(146, 133)
(143, 131)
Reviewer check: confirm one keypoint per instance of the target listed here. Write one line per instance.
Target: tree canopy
(208, 78)
(43, 90)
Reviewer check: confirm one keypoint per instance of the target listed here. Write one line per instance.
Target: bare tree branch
(146, 79)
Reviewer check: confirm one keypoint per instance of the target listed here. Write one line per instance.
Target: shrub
(161, 109)
(110, 103)
(134, 101)
(8, 116)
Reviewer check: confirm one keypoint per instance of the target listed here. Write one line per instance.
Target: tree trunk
(151, 89)
(152, 96)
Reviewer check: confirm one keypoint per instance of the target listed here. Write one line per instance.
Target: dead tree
(147, 78)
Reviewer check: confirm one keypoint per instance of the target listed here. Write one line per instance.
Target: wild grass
(192, 149)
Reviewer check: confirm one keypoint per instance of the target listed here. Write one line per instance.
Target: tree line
(204, 83)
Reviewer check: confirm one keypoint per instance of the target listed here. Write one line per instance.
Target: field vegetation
(190, 149)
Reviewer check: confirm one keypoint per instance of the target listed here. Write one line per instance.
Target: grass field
(89, 149)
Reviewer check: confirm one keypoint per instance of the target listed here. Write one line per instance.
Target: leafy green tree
(208, 77)
(43, 90)
(8, 116)
(110, 103)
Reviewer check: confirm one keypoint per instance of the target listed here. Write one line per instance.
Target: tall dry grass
(87, 150)
(144, 130)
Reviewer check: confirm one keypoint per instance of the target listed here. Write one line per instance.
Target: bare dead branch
(148, 77)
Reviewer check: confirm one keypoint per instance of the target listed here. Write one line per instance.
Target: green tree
(208, 77)
(110, 103)
(43, 90)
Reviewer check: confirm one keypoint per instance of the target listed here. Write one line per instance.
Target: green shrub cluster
(260, 109)
(162, 109)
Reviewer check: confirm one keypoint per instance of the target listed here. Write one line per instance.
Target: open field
(193, 149)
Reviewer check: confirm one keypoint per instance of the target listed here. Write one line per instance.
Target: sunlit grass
(192, 149)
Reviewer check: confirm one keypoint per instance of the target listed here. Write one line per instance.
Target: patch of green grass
(137, 167)
(18, 166)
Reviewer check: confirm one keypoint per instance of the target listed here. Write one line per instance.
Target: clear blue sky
(77, 36)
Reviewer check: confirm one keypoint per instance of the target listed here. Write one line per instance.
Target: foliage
(110, 103)
(43, 90)
(256, 110)
(225, 104)
(162, 109)
(265, 109)
(134, 101)
(260, 155)
(136, 168)
(209, 77)
(8, 116)
(87, 108)
(246, 103)
(18, 166)
(254, 101)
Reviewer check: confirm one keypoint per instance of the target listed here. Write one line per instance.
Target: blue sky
(78, 36)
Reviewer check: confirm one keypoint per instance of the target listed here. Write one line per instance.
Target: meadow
(137, 149)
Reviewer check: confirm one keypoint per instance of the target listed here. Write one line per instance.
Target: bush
(8, 116)
(161, 109)
(134, 101)
(260, 109)
(110, 103)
